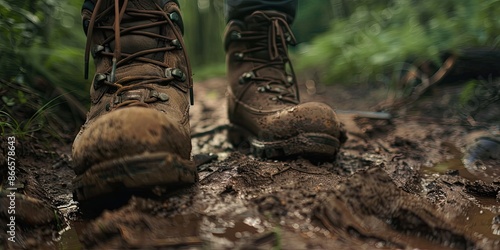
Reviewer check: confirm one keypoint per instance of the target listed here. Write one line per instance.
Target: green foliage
(42, 39)
(279, 238)
(312, 19)
(204, 25)
(207, 71)
(353, 40)
(12, 126)
(371, 40)
(468, 92)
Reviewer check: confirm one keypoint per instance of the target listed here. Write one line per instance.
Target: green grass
(22, 129)
(201, 73)
(279, 244)
(468, 92)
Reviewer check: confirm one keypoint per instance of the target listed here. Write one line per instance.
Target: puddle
(482, 158)
(70, 238)
(479, 219)
(228, 233)
(468, 166)
(450, 165)
(236, 231)
(482, 217)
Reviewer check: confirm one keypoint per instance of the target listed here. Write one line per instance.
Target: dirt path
(398, 183)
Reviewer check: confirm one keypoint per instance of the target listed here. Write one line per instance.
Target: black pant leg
(239, 9)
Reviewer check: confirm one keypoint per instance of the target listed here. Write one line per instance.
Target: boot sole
(134, 172)
(315, 146)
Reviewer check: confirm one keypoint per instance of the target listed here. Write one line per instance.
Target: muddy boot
(137, 131)
(263, 98)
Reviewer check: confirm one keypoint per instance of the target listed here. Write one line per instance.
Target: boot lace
(273, 40)
(120, 58)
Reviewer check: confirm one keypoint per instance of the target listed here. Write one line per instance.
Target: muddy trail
(424, 176)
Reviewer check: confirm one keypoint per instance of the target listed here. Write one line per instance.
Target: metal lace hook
(189, 73)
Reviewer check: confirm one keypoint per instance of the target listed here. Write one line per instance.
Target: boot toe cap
(126, 132)
(309, 117)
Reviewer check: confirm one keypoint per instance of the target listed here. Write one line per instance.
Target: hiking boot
(137, 131)
(263, 98)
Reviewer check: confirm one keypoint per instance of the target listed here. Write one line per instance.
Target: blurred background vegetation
(372, 39)
(342, 41)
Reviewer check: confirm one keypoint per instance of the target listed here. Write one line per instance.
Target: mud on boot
(137, 132)
(263, 97)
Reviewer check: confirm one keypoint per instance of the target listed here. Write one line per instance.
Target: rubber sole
(134, 172)
(314, 146)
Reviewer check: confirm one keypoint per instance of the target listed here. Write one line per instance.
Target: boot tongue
(259, 22)
(132, 43)
(139, 69)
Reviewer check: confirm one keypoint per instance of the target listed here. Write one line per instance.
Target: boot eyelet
(280, 97)
(118, 99)
(176, 43)
(108, 106)
(174, 16)
(290, 79)
(97, 50)
(163, 97)
(246, 76)
(235, 35)
(261, 89)
(177, 19)
(159, 95)
(99, 80)
(239, 55)
(175, 73)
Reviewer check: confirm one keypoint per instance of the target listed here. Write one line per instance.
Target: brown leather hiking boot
(137, 131)
(263, 98)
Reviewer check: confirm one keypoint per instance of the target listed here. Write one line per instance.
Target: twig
(427, 82)
(367, 114)
(211, 130)
(280, 172)
(307, 172)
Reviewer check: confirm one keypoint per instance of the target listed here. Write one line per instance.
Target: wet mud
(414, 179)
